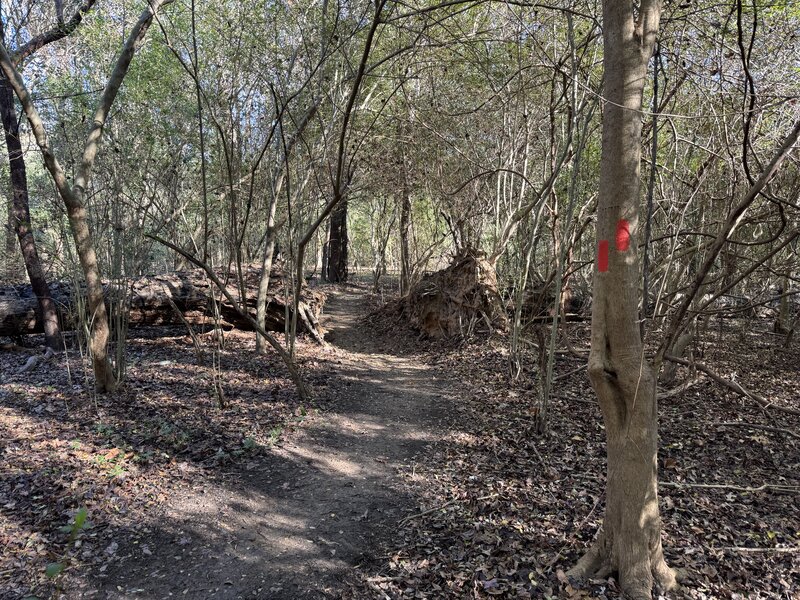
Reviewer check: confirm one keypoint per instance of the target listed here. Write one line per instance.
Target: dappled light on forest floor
(419, 461)
(185, 496)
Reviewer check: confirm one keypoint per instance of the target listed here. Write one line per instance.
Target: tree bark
(335, 270)
(266, 270)
(20, 217)
(629, 541)
(405, 215)
(10, 254)
(74, 195)
(405, 246)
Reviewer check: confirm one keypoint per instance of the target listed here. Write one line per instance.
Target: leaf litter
(502, 511)
(121, 457)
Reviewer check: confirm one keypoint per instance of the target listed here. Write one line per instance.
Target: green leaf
(54, 569)
(80, 517)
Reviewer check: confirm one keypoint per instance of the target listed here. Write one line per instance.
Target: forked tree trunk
(629, 542)
(20, 217)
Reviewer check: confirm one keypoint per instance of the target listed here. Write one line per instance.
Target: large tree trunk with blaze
(20, 217)
(629, 542)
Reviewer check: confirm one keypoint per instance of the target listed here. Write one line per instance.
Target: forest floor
(263, 498)
(416, 473)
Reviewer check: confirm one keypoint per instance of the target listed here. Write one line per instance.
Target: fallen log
(150, 301)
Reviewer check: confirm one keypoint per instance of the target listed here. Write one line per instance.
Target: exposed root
(637, 576)
(457, 300)
(34, 361)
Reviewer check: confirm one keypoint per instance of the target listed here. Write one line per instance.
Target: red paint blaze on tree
(623, 235)
(602, 256)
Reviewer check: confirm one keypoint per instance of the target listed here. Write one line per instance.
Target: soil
(509, 510)
(417, 473)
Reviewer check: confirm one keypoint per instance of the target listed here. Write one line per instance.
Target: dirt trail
(297, 521)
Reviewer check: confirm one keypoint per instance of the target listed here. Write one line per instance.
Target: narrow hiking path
(294, 523)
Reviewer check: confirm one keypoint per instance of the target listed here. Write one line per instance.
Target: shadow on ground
(292, 523)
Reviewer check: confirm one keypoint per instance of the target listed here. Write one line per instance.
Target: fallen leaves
(123, 455)
(505, 512)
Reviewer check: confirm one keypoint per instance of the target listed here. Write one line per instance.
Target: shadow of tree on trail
(237, 506)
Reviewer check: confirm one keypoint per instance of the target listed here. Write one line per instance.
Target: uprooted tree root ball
(459, 300)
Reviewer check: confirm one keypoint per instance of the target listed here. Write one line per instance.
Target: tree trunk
(266, 270)
(335, 270)
(629, 542)
(405, 247)
(782, 324)
(10, 254)
(405, 216)
(325, 252)
(74, 195)
(20, 218)
(97, 312)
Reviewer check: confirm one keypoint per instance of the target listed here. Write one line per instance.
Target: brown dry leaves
(123, 456)
(515, 509)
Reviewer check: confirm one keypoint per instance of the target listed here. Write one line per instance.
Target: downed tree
(457, 300)
(538, 300)
(150, 302)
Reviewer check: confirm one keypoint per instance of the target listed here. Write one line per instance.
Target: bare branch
(110, 93)
(60, 31)
(37, 125)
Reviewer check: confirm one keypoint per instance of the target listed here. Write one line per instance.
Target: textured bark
(105, 381)
(335, 268)
(629, 542)
(11, 268)
(20, 218)
(151, 298)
